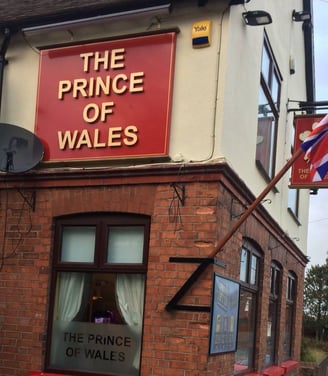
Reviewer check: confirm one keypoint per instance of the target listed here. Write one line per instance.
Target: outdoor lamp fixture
(237, 2)
(257, 18)
(301, 16)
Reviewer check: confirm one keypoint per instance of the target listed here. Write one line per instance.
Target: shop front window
(275, 284)
(97, 299)
(249, 280)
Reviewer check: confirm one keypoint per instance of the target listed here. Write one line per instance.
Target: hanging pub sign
(106, 100)
(300, 171)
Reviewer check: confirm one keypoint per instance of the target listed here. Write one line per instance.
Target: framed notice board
(224, 315)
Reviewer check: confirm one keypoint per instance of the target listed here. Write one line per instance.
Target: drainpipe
(3, 61)
(309, 53)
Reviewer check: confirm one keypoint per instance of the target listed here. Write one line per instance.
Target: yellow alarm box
(201, 34)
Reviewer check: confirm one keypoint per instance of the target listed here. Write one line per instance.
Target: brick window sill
(285, 367)
(289, 365)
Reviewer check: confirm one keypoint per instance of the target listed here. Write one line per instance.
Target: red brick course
(174, 343)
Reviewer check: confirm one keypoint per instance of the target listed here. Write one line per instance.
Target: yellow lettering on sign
(131, 135)
(64, 86)
(84, 139)
(96, 138)
(92, 112)
(113, 59)
(114, 134)
(67, 140)
(136, 82)
(96, 142)
(97, 86)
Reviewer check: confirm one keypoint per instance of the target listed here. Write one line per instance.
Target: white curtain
(130, 296)
(70, 288)
(68, 301)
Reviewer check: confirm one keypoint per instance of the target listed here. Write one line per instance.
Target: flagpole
(173, 303)
(222, 242)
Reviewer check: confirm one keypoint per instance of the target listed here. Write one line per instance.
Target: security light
(257, 18)
(301, 16)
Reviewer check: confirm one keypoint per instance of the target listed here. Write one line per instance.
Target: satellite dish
(20, 149)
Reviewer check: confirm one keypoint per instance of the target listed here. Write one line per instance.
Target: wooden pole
(173, 303)
(222, 242)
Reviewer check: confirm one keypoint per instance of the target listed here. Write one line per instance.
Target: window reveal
(98, 298)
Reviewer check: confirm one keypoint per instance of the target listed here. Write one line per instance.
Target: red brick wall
(176, 342)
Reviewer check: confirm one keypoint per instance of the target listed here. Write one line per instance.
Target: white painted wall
(214, 113)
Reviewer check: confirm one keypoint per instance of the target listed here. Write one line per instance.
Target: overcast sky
(318, 219)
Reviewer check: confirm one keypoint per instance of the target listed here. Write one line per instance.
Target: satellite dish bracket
(20, 149)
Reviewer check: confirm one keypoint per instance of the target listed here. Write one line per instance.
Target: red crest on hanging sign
(300, 172)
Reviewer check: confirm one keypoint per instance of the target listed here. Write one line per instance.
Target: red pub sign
(300, 176)
(106, 100)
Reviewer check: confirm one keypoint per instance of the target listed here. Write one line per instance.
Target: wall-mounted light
(257, 18)
(238, 2)
(301, 16)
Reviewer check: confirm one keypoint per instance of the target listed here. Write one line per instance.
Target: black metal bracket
(203, 264)
(234, 216)
(180, 191)
(29, 200)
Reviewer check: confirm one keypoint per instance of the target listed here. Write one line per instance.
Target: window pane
(275, 90)
(268, 112)
(264, 109)
(246, 330)
(97, 323)
(243, 265)
(78, 244)
(293, 200)
(265, 133)
(254, 266)
(271, 333)
(275, 281)
(272, 279)
(288, 332)
(125, 244)
(266, 65)
(290, 289)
